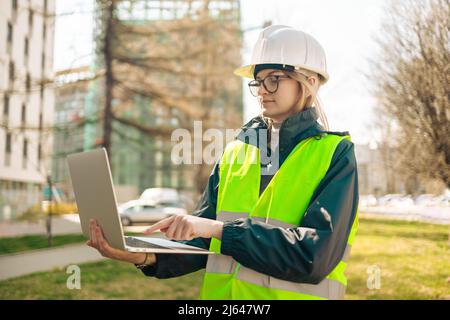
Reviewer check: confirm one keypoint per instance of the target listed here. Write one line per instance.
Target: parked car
(388, 198)
(443, 200)
(396, 200)
(403, 201)
(143, 211)
(427, 199)
(167, 196)
(367, 200)
(160, 194)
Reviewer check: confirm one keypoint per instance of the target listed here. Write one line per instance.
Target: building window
(9, 38)
(30, 18)
(44, 32)
(25, 153)
(40, 121)
(5, 105)
(28, 83)
(10, 33)
(24, 114)
(8, 143)
(26, 50)
(42, 90)
(8, 149)
(11, 71)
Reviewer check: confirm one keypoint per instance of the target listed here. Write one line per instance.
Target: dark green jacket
(314, 248)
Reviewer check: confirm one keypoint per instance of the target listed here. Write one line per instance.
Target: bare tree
(107, 15)
(411, 82)
(183, 65)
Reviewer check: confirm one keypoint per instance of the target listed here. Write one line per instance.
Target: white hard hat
(288, 47)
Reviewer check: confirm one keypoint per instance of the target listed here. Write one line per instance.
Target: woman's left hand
(187, 227)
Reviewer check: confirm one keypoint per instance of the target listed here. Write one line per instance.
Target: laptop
(95, 197)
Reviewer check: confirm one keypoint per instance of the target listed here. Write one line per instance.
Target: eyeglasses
(270, 83)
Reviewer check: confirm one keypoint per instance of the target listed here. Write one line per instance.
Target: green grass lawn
(103, 280)
(414, 259)
(25, 243)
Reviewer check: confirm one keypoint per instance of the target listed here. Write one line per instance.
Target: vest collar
(299, 123)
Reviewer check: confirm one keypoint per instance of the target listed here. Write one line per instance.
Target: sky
(345, 29)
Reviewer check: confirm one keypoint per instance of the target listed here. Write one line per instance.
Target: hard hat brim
(247, 72)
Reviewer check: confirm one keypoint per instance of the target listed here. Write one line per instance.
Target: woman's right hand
(99, 242)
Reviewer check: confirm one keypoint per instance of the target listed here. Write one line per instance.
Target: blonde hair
(301, 77)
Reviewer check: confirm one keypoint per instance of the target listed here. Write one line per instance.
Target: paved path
(19, 264)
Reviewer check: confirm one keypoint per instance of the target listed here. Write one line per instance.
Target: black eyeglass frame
(257, 83)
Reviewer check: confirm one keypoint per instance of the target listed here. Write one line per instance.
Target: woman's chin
(268, 113)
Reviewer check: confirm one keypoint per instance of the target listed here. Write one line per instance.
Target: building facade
(26, 100)
(371, 173)
(71, 92)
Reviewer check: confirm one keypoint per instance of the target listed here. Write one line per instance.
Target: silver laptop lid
(94, 193)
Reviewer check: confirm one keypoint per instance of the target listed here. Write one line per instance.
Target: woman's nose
(262, 90)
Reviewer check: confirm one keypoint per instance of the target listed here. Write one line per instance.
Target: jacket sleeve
(311, 251)
(174, 265)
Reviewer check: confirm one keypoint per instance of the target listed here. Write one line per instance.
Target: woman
(282, 217)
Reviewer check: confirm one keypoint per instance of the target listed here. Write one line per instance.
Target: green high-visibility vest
(283, 203)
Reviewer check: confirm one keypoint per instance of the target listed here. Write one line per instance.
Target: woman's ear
(312, 81)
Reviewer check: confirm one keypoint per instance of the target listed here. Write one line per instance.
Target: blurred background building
(26, 67)
(141, 139)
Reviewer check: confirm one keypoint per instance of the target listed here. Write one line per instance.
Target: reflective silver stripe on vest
(225, 264)
(275, 222)
(328, 289)
(219, 263)
(229, 216)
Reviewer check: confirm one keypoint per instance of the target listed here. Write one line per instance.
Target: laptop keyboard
(136, 243)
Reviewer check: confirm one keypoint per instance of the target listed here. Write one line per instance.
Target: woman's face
(283, 103)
